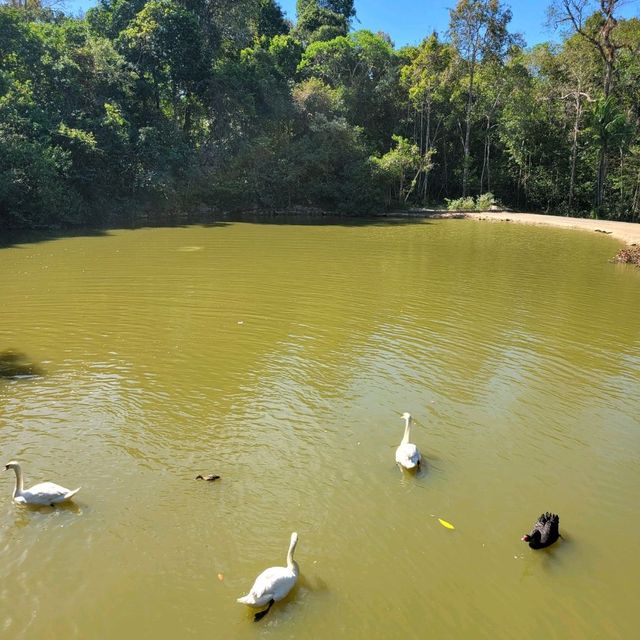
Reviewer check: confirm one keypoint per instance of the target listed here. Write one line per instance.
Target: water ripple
(280, 357)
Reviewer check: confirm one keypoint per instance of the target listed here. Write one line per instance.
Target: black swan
(545, 531)
(210, 478)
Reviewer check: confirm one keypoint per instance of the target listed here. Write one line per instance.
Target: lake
(281, 357)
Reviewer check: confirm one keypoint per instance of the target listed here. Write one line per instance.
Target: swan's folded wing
(45, 492)
(274, 582)
(551, 529)
(407, 454)
(263, 582)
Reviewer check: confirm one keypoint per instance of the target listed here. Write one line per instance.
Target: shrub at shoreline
(628, 255)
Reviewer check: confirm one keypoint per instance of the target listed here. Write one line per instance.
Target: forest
(165, 106)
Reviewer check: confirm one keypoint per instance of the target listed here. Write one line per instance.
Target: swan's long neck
(407, 430)
(292, 565)
(19, 482)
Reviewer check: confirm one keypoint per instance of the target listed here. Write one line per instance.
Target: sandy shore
(628, 232)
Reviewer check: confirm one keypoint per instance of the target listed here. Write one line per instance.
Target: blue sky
(409, 21)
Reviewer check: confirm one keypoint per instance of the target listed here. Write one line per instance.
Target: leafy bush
(461, 204)
(398, 169)
(34, 187)
(485, 201)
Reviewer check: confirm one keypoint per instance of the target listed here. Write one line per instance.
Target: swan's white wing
(273, 583)
(46, 493)
(408, 455)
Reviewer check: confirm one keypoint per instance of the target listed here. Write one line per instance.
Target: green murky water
(281, 358)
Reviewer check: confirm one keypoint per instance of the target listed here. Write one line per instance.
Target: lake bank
(628, 232)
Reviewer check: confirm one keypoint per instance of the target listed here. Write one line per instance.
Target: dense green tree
(365, 69)
(599, 29)
(399, 169)
(163, 43)
(344, 8)
(478, 29)
(270, 20)
(170, 104)
(427, 77)
(323, 20)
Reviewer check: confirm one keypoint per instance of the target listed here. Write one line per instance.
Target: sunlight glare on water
(281, 356)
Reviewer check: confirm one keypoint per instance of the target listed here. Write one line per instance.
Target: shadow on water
(27, 515)
(15, 238)
(549, 561)
(324, 219)
(14, 364)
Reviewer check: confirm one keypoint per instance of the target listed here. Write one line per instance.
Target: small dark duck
(210, 478)
(545, 531)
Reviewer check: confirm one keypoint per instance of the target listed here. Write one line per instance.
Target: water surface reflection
(280, 357)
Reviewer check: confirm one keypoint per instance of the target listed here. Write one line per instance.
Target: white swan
(407, 454)
(43, 493)
(273, 584)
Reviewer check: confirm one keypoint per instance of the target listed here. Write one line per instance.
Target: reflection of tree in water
(13, 364)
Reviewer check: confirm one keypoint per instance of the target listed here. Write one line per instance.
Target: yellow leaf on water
(446, 524)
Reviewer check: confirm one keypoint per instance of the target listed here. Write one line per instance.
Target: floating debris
(445, 524)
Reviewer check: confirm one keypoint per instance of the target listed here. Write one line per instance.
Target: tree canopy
(173, 105)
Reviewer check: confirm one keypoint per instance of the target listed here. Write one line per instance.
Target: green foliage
(324, 20)
(173, 103)
(398, 170)
(110, 17)
(164, 42)
(323, 162)
(461, 204)
(314, 98)
(608, 123)
(32, 185)
(316, 24)
(485, 201)
(364, 68)
(479, 29)
(286, 52)
(270, 21)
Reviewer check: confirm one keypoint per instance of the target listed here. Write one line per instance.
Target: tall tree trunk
(608, 52)
(421, 137)
(602, 175)
(572, 12)
(488, 164)
(427, 148)
(485, 155)
(467, 131)
(635, 205)
(574, 150)
(604, 148)
(187, 118)
(445, 181)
